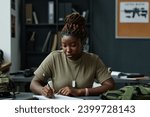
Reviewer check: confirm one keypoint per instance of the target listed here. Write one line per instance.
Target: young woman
(71, 70)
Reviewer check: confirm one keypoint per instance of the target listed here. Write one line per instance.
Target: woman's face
(72, 47)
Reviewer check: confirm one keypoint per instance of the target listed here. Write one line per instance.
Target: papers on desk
(57, 97)
(135, 78)
(115, 73)
(129, 76)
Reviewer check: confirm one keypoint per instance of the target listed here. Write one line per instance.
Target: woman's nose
(68, 49)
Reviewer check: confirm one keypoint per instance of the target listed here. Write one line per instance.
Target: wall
(127, 55)
(5, 29)
(15, 47)
(9, 45)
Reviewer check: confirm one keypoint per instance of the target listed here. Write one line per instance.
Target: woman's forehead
(69, 38)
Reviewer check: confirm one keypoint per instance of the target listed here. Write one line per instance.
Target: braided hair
(75, 26)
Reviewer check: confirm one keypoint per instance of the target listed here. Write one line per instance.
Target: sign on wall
(132, 19)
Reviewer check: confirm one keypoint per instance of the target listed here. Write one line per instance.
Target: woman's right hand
(47, 91)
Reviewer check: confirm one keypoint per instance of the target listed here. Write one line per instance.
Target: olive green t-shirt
(63, 71)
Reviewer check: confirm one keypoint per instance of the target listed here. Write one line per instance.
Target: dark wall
(127, 55)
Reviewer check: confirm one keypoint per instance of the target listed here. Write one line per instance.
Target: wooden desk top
(21, 78)
(5, 66)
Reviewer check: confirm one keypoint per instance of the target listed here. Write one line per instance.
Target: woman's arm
(38, 87)
(106, 85)
(109, 84)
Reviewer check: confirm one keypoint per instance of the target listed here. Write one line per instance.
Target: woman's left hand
(68, 91)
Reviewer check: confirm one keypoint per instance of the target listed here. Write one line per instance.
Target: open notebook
(56, 97)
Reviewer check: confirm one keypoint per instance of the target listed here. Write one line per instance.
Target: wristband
(86, 92)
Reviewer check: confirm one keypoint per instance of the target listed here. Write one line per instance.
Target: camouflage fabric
(128, 93)
(7, 86)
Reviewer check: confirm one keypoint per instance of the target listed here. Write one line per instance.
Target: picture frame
(132, 19)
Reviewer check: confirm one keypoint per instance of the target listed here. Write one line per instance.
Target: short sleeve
(44, 71)
(102, 71)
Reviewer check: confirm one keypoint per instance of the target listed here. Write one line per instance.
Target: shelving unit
(32, 49)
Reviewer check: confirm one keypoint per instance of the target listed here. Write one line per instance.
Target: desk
(123, 82)
(21, 78)
(22, 83)
(20, 96)
(29, 96)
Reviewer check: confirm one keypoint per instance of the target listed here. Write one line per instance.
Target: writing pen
(58, 92)
(50, 88)
(48, 85)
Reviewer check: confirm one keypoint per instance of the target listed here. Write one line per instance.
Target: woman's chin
(70, 57)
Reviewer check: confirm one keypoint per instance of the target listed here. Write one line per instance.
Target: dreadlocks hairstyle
(75, 26)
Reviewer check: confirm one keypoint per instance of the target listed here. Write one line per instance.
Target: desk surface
(21, 78)
(118, 80)
(21, 81)
(29, 96)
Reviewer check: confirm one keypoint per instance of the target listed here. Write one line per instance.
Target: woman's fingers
(47, 91)
(65, 91)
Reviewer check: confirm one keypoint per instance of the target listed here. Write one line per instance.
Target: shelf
(42, 24)
(37, 53)
(35, 30)
(62, 24)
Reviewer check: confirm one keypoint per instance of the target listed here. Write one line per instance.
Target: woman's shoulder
(90, 55)
(56, 53)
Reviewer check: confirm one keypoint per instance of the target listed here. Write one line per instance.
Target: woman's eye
(73, 45)
(63, 45)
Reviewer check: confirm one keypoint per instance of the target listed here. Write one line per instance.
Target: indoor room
(115, 49)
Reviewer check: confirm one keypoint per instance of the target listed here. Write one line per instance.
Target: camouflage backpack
(7, 86)
(132, 92)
